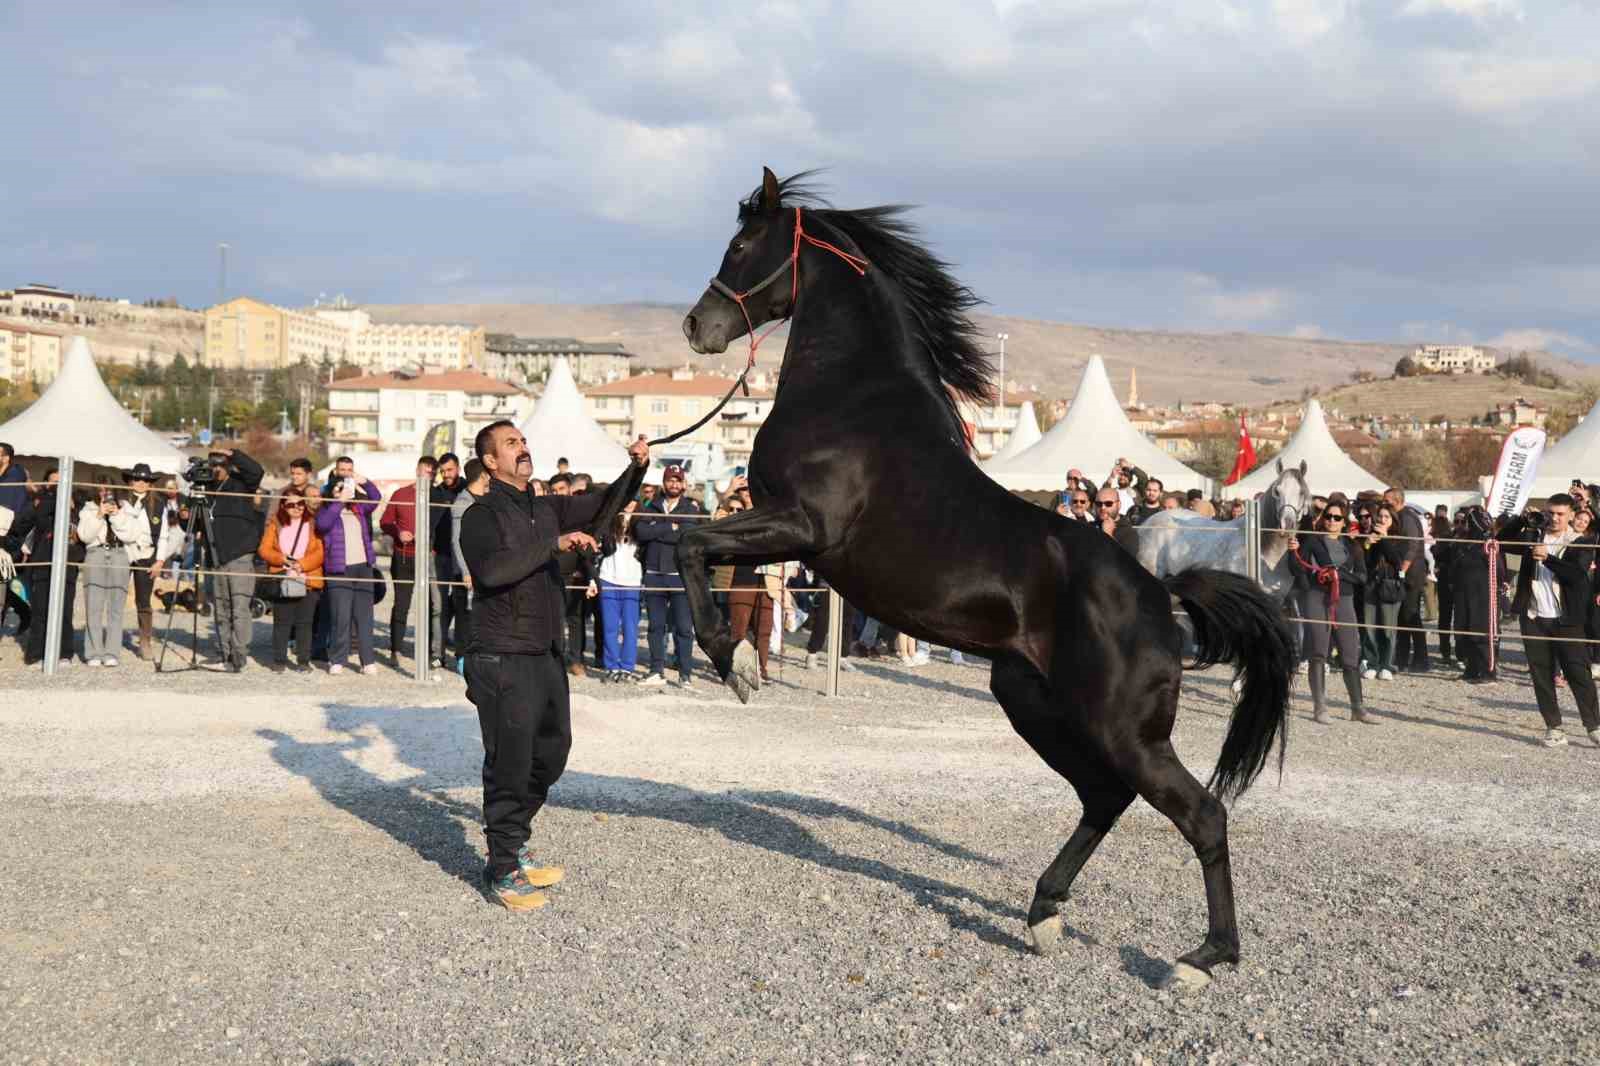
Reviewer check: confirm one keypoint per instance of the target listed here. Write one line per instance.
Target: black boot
(1352, 685)
(1317, 678)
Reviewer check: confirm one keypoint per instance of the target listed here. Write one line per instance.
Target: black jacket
(508, 539)
(236, 522)
(1352, 573)
(1415, 554)
(1571, 573)
(40, 520)
(659, 535)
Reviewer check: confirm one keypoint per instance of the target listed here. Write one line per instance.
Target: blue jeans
(664, 598)
(619, 623)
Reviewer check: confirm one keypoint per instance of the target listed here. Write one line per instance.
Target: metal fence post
(835, 639)
(56, 601)
(1252, 540)
(422, 590)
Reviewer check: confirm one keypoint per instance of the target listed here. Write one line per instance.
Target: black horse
(861, 471)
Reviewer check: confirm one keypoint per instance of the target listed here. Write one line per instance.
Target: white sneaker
(957, 659)
(336, 669)
(1385, 675)
(920, 659)
(1594, 737)
(91, 662)
(811, 661)
(110, 660)
(1555, 738)
(370, 669)
(1369, 674)
(653, 680)
(685, 682)
(1594, 671)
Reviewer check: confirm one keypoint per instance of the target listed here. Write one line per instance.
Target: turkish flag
(1246, 457)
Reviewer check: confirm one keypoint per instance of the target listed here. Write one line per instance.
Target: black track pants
(527, 734)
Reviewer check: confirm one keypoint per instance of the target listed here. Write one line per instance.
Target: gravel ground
(204, 868)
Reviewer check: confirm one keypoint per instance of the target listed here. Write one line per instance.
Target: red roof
(452, 381)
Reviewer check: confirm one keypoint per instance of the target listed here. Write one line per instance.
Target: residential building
(28, 353)
(658, 404)
(1518, 412)
(396, 346)
(37, 300)
(1453, 359)
(512, 358)
(395, 412)
(990, 424)
(245, 333)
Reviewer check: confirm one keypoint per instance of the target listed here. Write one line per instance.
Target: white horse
(1172, 541)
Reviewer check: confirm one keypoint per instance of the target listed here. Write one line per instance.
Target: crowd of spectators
(1371, 572)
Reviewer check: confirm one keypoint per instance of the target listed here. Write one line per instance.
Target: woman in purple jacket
(345, 524)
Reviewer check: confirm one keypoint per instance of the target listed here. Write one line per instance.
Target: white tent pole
(58, 568)
(835, 639)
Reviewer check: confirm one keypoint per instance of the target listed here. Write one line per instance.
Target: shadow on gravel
(1137, 962)
(868, 668)
(442, 745)
(1461, 727)
(757, 819)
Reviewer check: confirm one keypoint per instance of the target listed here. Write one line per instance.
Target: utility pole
(211, 404)
(222, 272)
(1000, 402)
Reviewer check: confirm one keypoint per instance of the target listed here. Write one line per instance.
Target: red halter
(792, 264)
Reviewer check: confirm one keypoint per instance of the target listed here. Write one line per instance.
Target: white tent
(1575, 455)
(1092, 437)
(1023, 437)
(559, 426)
(1328, 468)
(77, 416)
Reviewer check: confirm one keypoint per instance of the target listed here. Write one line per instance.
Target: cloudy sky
(1387, 169)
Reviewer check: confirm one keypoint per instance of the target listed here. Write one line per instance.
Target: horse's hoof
(1046, 937)
(1185, 979)
(745, 674)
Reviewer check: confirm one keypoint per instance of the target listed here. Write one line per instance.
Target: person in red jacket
(399, 521)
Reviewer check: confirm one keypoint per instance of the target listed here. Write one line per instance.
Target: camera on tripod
(201, 475)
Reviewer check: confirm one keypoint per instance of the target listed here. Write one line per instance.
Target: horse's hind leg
(1024, 694)
(1166, 784)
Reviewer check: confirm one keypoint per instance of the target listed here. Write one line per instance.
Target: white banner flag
(1513, 478)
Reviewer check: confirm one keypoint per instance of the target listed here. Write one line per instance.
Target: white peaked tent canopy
(1092, 437)
(1023, 437)
(1328, 468)
(1575, 455)
(77, 416)
(559, 426)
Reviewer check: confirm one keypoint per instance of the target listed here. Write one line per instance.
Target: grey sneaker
(1555, 738)
(1594, 737)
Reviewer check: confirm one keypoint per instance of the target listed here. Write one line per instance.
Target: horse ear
(1302, 468)
(769, 189)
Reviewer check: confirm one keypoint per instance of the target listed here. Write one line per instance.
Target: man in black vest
(515, 675)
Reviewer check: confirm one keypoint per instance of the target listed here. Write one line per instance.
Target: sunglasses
(294, 507)
(1105, 503)
(1333, 516)
(1081, 501)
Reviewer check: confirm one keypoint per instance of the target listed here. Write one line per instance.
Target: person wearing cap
(658, 529)
(144, 504)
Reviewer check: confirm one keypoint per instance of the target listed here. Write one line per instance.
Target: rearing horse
(860, 471)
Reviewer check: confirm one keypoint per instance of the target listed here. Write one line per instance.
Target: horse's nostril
(689, 326)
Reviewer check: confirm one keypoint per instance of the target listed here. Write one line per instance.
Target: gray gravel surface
(205, 867)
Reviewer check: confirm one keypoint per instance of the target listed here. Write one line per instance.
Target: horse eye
(738, 246)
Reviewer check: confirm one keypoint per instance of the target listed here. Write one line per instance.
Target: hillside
(1457, 397)
(1229, 367)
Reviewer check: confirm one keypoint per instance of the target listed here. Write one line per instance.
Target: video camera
(201, 474)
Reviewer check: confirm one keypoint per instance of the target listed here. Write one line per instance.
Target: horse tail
(1235, 621)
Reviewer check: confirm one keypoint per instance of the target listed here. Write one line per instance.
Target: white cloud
(1242, 306)
(1474, 9)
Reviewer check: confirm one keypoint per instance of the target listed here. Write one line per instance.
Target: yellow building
(29, 354)
(437, 347)
(245, 334)
(657, 404)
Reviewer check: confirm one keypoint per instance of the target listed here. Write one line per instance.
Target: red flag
(1246, 457)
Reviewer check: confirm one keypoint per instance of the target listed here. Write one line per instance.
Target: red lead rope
(1328, 576)
(855, 262)
(1491, 548)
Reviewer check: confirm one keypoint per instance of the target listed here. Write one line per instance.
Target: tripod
(199, 512)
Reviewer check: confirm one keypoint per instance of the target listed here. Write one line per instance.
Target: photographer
(112, 534)
(1552, 601)
(229, 490)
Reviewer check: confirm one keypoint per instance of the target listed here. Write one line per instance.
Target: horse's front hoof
(1046, 937)
(744, 676)
(1185, 979)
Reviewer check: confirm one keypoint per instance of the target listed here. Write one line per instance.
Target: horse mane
(935, 301)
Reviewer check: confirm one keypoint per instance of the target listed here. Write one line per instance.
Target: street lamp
(1000, 402)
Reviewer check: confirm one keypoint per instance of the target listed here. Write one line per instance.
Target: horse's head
(753, 285)
(1293, 494)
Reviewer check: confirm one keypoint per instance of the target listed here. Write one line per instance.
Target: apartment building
(513, 358)
(395, 412)
(28, 353)
(662, 403)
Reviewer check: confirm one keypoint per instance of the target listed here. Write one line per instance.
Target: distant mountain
(1243, 368)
